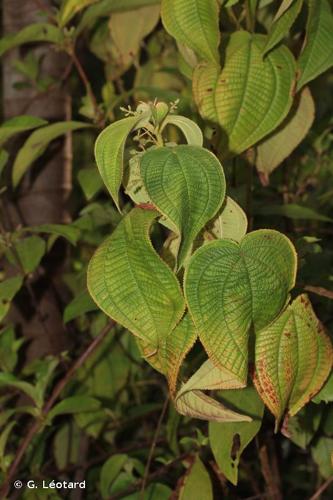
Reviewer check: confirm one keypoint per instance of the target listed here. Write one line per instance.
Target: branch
(322, 488)
(152, 447)
(38, 423)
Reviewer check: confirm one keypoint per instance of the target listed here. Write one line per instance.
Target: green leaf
(196, 484)
(80, 305)
(190, 129)
(231, 222)
(19, 124)
(326, 392)
(4, 156)
(194, 23)
(37, 143)
(9, 347)
(39, 32)
(187, 185)
(30, 252)
(3, 442)
(110, 471)
(90, 183)
(106, 7)
(8, 290)
(231, 287)
(74, 404)
(301, 428)
(282, 23)
(67, 231)
(71, 7)
(277, 147)
(139, 23)
(228, 440)
(250, 96)
(293, 211)
(317, 53)
(109, 153)
(9, 380)
(130, 283)
(293, 358)
(322, 453)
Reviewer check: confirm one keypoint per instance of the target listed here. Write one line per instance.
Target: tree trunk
(44, 191)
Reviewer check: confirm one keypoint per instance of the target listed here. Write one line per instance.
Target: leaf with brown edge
(293, 358)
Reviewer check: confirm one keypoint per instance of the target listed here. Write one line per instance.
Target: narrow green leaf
(190, 129)
(9, 347)
(250, 96)
(104, 8)
(39, 32)
(187, 185)
(19, 124)
(110, 471)
(232, 287)
(130, 283)
(285, 5)
(194, 23)
(282, 23)
(293, 358)
(9, 380)
(317, 53)
(80, 305)
(8, 290)
(4, 436)
(4, 156)
(278, 146)
(109, 153)
(196, 484)
(36, 145)
(228, 440)
(231, 222)
(74, 404)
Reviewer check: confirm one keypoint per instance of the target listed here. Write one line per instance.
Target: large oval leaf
(194, 23)
(275, 148)
(131, 284)
(187, 184)
(317, 54)
(250, 96)
(293, 359)
(109, 153)
(231, 287)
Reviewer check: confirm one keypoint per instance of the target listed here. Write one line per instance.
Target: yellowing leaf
(231, 223)
(187, 185)
(281, 143)
(71, 7)
(317, 53)
(131, 284)
(194, 23)
(250, 96)
(231, 288)
(293, 358)
(129, 28)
